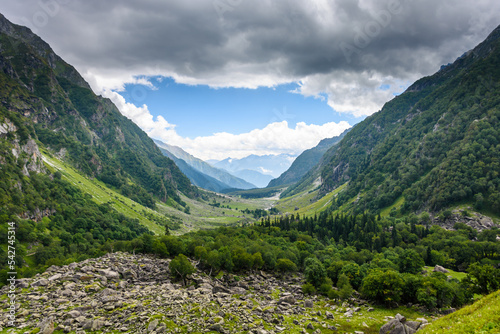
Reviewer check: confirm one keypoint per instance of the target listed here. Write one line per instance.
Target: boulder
(287, 299)
(308, 303)
(41, 282)
(109, 274)
(399, 325)
(152, 325)
(440, 269)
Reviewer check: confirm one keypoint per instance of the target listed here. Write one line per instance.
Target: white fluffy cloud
(275, 138)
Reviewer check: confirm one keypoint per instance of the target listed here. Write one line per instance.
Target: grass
(204, 216)
(481, 317)
(201, 216)
(306, 202)
(101, 193)
(454, 274)
(397, 204)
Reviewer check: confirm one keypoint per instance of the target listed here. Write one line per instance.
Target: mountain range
(259, 170)
(200, 173)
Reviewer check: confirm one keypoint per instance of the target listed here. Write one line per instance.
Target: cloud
(275, 138)
(342, 50)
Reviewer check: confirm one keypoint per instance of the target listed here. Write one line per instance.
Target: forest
(340, 255)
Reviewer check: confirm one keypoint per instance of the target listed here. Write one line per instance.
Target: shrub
(314, 271)
(285, 265)
(308, 289)
(345, 287)
(180, 267)
(383, 286)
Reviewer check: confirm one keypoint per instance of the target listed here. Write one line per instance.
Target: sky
(229, 78)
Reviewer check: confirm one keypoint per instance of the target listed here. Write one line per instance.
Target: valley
(393, 223)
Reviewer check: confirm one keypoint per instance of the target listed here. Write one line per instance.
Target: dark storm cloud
(327, 45)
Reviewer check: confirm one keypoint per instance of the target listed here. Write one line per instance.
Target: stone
(440, 269)
(329, 315)
(219, 289)
(287, 299)
(217, 327)
(448, 311)
(238, 291)
(55, 277)
(109, 274)
(413, 324)
(74, 313)
(400, 318)
(392, 327)
(308, 303)
(46, 326)
(152, 325)
(399, 325)
(42, 282)
(348, 313)
(310, 326)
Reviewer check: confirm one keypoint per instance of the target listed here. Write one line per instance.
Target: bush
(314, 271)
(345, 287)
(285, 265)
(354, 274)
(410, 262)
(308, 289)
(383, 286)
(484, 278)
(325, 288)
(180, 267)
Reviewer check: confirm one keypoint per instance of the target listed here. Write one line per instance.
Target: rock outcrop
(399, 325)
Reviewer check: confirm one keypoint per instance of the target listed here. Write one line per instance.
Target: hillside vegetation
(49, 101)
(480, 317)
(434, 146)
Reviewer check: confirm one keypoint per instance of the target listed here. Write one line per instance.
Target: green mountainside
(305, 162)
(49, 102)
(434, 146)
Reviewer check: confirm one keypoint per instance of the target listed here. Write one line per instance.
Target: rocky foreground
(134, 294)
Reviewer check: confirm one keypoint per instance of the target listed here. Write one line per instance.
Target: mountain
(259, 179)
(434, 146)
(196, 177)
(305, 162)
(212, 178)
(270, 165)
(46, 104)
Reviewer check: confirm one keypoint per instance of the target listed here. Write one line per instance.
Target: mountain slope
(434, 146)
(225, 179)
(61, 111)
(197, 178)
(271, 165)
(259, 179)
(305, 162)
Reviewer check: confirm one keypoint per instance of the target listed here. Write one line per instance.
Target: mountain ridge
(214, 178)
(61, 112)
(305, 162)
(408, 148)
